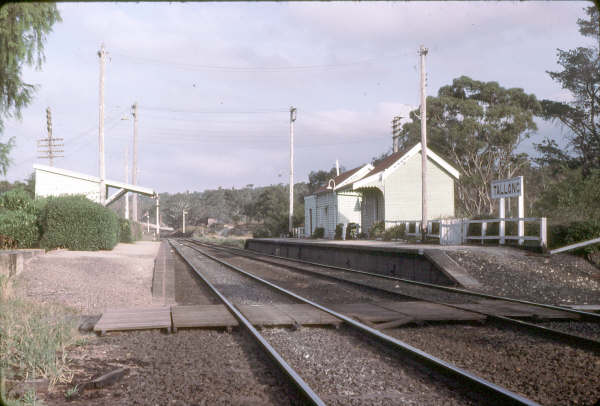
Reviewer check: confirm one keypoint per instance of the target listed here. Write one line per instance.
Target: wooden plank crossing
(202, 316)
(139, 318)
(508, 309)
(421, 311)
(382, 315)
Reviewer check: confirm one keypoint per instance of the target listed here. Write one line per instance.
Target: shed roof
(343, 178)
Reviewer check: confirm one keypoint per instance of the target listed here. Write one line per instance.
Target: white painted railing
(456, 231)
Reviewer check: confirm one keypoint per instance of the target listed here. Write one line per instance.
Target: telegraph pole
(184, 213)
(49, 142)
(126, 181)
(396, 127)
(292, 119)
(423, 52)
(157, 218)
(135, 161)
(102, 169)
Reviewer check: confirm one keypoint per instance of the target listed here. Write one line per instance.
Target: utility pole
(134, 212)
(396, 127)
(337, 167)
(126, 181)
(49, 143)
(157, 218)
(184, 213)
(102, 169)
(423, 52)
(292, 119)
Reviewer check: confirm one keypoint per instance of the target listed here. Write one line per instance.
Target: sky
(214, 82)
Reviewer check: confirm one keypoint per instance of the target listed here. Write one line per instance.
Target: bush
(319, 232)
(261, 232)
(377, 230)
(352, 231)
(395, 232)
(125, 234)
(137, 231)
(18, 229)
(339, 229)
(18, 199)
(77, 223)
(578, 231)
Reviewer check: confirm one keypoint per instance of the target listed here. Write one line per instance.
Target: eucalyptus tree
(23, 31)
(477, 127)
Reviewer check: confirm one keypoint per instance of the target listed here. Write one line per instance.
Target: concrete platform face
(155, 317)
(407, 263)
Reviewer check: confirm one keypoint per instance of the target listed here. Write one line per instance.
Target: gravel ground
(192, 367)
(345, 368)
(91, 281)
(549, 373)
(558, 279)
(583, 328)
(189, 289)
(238, 288)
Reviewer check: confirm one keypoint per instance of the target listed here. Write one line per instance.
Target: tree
(477, 127)
(23, 30)
(581, 76)
(316, 179)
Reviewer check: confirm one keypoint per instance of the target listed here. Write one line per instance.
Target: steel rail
(306, 390)
(498, 394)
(583, 314)
(548, 333)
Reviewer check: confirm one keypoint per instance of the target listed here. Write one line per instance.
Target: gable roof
(344, 178)
(397, 159)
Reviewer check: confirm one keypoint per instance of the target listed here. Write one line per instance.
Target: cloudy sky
(214, 81)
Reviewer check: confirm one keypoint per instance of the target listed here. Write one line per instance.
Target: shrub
(578, 231)
(125, 234)
(18, 199)
(352, 231)
(77, 223)
(261, 232)
(339, 229)
(377, 230)
(395, 232)
(319, 232)
(137, 231)
(18, 229)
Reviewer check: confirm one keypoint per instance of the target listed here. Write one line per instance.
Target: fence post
(483, 231)
(501, 227)
(543, 234)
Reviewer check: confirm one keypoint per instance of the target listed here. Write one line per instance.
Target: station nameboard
(507, 188)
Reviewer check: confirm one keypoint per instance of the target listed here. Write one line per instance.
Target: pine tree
(23, 31)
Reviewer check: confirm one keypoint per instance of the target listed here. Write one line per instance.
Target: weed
(71, 392)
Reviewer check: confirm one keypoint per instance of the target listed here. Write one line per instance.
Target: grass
(33, 338)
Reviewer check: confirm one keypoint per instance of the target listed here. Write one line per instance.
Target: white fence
(456, 231)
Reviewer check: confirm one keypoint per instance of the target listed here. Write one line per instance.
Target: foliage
(137, 230)
(18, 229)
(18, 199)
(34, 338)
(352, 231)
(125, 234)
(318, 233)
(574, 232)
(339, 229)
(28, 185)
(395, 233)
(476, 126)
(23, 30)
(77, 223)
(317, 179)
(377, 230)
(581, 76)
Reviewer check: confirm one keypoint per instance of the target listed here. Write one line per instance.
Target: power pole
(135, 161)
(157, 218)
(292, 119)
(126, 181)
(396, 127)
(423, 52)
(184, 213)
(49, 143)
(102, 169)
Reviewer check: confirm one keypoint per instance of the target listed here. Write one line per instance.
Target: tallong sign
(510, 188)
(507, 188)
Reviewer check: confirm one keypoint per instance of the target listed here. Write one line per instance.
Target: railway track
(492, 393)
(364, 278)
(571, 358)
